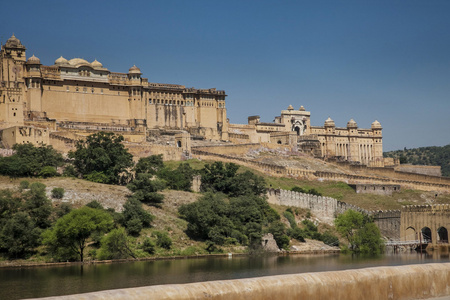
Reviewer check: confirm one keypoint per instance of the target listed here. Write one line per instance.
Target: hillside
(432, 156)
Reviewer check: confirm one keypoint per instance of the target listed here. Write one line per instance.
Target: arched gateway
(425, 223)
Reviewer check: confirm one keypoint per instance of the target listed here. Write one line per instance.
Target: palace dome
(78, 62)
(290, 107)
(329, 122)
(34, 60)
(376, 125)
(96, 64)
(14, 42)
(301, 108)
(134, 70)
(61, 61)
(352, 124)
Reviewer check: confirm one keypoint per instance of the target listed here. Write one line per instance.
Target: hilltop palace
(38, 102)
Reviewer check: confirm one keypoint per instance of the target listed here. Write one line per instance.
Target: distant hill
(432, 156)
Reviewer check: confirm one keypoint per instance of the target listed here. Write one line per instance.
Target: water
(64, 280)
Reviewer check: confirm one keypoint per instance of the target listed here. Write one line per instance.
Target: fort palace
(37, 101)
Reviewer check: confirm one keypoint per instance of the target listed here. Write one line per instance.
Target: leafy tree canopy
(70, 235)
(218, 177)
(30, 160)
(150, 165)
(360, 231)
(102, 156)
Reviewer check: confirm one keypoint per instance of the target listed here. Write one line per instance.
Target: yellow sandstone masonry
(402, 282)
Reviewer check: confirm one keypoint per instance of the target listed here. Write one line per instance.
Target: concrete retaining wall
(403, 282)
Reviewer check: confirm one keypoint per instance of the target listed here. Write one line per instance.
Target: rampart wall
(441, 183)
(393, 282)
(326, 209)
(425, 170)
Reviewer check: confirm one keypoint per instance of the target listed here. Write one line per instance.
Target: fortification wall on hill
(415, 173)
(442, 183)
(326, 209)
(425, 170)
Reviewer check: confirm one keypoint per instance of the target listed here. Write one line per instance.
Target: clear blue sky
(366, 60)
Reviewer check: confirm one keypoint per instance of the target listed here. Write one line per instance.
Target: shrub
(58, 193)
(98, 177)
(148, 246)
(24, 184)
(48, 171)
(163, 240)
(288, 215)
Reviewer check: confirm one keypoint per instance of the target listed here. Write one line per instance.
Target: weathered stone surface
(404, 282)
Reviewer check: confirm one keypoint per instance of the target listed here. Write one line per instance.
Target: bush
(148, 246)
(134, 226)
(24, 185)
(296, 233)
(69, 171)
(98, 177)
(94, 204)
(48, 171)
(163, 240)
(290, 217)
(58, 193)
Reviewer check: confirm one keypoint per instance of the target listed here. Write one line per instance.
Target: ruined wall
(377, 189)
(397, 282)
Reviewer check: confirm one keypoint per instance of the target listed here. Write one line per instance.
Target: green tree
(19, 236)
(278, 230)
(218, 177)
(135, 217)
(178, 179)
(208, 218)
(116, 245)
(38, 205)
(149, 165)
(100, 154)
(360, 231)
(145, 189)
(70, 235)
(163, 240)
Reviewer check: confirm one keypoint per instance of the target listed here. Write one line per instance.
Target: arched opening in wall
(426, 235)
(279, 142)
(297, 129)
(179, 144)
(410, 234)
(442, 235)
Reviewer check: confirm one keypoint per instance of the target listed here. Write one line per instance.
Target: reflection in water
(52, 281)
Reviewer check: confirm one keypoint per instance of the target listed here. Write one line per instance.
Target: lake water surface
(63, 280)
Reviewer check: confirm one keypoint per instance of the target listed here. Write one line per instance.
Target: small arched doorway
(179, 144)
(442, 235)
(426, 235)
(410, 234)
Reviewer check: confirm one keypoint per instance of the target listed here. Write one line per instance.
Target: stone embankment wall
(326, 209)
(400, 282)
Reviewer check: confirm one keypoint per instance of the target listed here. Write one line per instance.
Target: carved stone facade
(293, 127)
(79, 94)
